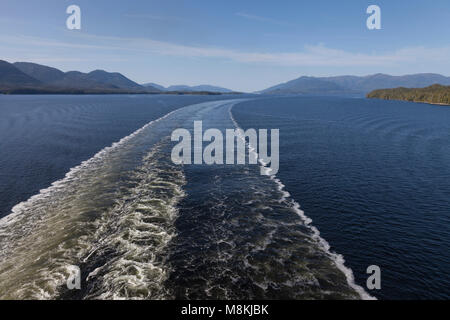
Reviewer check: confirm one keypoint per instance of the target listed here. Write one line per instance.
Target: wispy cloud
(261, 19)
(155, 17)
(27, 41)
(309, 56)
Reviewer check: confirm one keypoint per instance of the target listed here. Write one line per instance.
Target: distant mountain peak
(10, 75)
(25, 74)
(186, 88)
(154, 85)
(355, 85)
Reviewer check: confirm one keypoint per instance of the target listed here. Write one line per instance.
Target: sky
(243, 45)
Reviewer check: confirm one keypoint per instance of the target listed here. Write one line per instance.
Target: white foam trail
(36, 229)
(338, 259)
(58, 248)
(138, 269)
(44, 193)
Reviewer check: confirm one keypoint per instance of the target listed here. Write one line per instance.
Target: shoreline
(78, 93)
(423, 102)
(116, 93)
(435, 94)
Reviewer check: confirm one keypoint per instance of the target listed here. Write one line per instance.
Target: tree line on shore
(435, 94)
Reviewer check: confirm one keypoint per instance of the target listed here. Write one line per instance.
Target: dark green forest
(435, 94)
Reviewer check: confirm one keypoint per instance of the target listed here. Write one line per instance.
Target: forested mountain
(435, 94)
(10, 76)
(354, 85)
(185, 88)
(25, 77)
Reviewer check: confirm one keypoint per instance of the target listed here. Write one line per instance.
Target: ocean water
(374, 176)
(42, 137)
(88, 181)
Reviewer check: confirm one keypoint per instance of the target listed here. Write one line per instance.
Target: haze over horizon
(242, 46)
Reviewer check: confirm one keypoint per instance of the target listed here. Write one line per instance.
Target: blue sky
(243, 45)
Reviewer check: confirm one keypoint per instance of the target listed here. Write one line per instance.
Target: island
(435, 94)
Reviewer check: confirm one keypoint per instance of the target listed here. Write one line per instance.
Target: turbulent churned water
(374, 176)
(140, 227)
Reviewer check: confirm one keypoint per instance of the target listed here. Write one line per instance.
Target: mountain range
(185, 88)
(355, 85)
(26, 77)
(32, 77)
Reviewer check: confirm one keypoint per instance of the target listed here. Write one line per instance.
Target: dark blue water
(373, 175)
(42, 137)
(375, 178)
